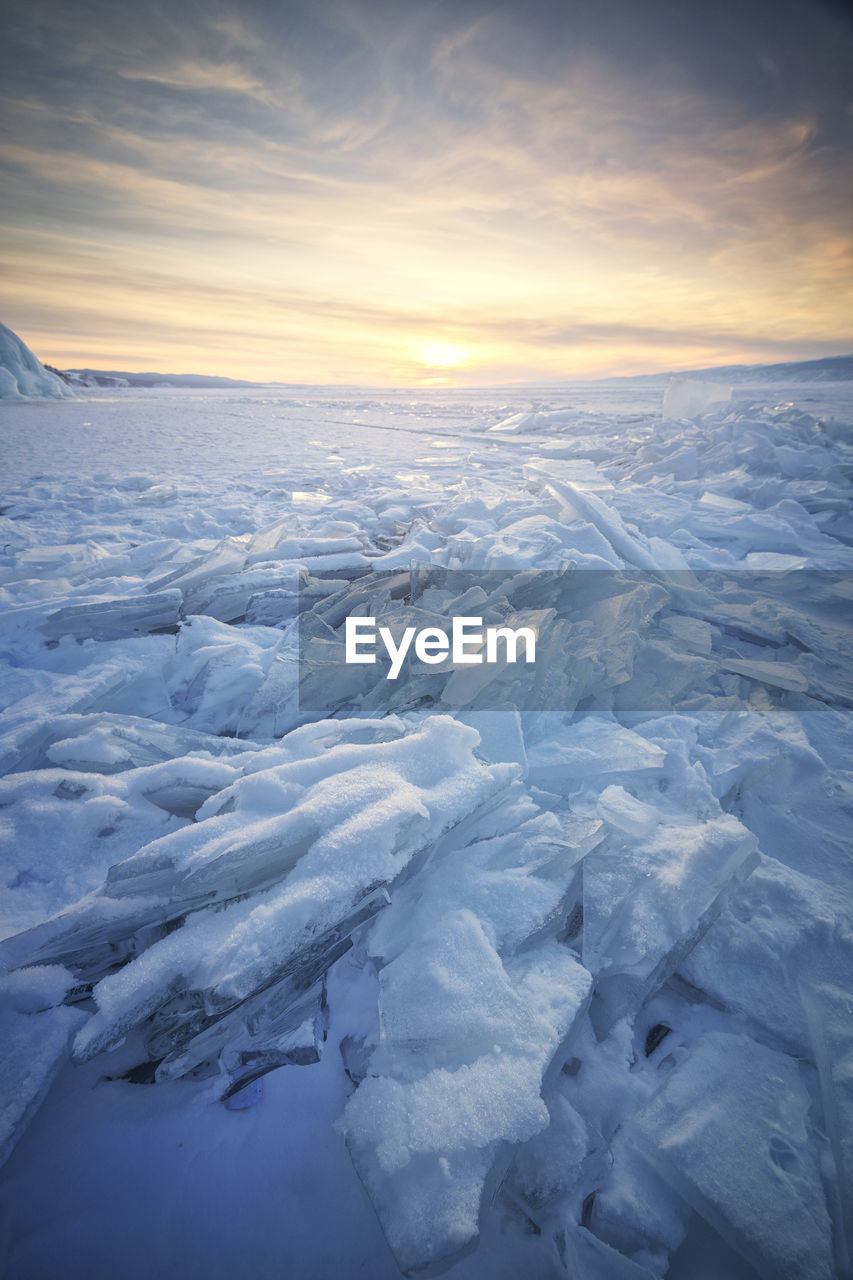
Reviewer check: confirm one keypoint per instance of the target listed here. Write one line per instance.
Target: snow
(482, 971)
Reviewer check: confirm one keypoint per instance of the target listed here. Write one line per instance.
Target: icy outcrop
(688, 397)
(22, 375)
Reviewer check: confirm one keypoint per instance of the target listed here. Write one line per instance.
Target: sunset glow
(443, 355)
(322, 194)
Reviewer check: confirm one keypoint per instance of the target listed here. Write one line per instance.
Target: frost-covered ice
(687, 397)
(491, 978)
(22, 375)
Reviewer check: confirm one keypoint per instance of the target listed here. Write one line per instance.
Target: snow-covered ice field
(424, 981)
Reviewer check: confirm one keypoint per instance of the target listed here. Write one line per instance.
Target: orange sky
(377, 193)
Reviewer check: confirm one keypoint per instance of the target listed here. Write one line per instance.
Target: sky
(426, 192)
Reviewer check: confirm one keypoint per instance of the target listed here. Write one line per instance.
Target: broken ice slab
(178, 786)
(32, 721)
(829, 1010)
(317, 737)
(228, 556)
(448, 994)
(577, 501)
(273, 709)
(690, 397)
(745, 752)
(584, 1255)
(145, 895)
(197, 1026)
(489, 683)
(806, 611)
(300, 1046)
(222, 867)
(115, 619)
(281, 813)
(429, 1211)
(247, 1095)
(343, 823)
(272, 607)
(106, 742)
(191, 1024)
(369, 595)
(501, 735)
(729, 1131)
(284, 1027)
(227, 597)
(635, 1211)
(626, 813)
(261, 831)
(34, 1044)
(537, 540)
(424, 1136)
(692, 634)
(93, 750)
(61, 831)
(648, 899)
(512, 866)
(781, 675)
(662, 677)
(780, 928)
(538, 420)
(93, 938)
(182, 786)
(305, 549)
(48, 561)
(555, 1164)
(593, 745)
(215, 671)
(348, 564)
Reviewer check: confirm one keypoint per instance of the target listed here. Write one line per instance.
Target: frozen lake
(213, 435)
(425, 978)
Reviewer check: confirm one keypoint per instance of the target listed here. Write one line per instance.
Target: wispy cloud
(329, 186)
(221, 77)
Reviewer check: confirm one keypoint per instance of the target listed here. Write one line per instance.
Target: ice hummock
(688, 397)
(22, 375)
(273, 876)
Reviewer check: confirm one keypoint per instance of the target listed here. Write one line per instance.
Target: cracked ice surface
(569, 988)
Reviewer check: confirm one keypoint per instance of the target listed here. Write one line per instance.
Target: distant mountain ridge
(827, 369)
(122, 378)
(23, 376)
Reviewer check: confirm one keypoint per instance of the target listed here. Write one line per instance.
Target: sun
(442, 355)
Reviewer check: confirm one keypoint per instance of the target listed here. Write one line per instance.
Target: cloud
(581, 181)
(222, 77)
